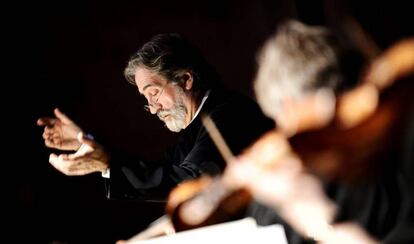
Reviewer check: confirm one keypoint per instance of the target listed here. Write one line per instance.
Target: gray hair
(172, 56)
(301, 58)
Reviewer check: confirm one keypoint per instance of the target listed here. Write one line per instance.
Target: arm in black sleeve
(135, 178)
(403, 231)
(193, 156)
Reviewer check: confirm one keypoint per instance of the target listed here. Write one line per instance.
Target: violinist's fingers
(271, 185)
(296, 196)
(243, 170)
(349, 232)
(356, 105)
(395, 63)
(239, 172)
(290, 163)
(65, 119)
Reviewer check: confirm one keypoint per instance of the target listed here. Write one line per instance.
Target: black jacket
(240, 122)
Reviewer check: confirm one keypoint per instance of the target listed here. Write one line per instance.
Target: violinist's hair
(171, 56)
(301, 58)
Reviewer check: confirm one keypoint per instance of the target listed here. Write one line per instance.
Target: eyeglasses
(150, 104)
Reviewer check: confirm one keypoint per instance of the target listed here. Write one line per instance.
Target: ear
(188, 78)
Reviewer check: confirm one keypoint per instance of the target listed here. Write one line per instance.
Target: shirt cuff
(107, 173)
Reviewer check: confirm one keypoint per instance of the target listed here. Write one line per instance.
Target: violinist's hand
(60, 132)
(89, 158)
(348, 232)
(270, 185)
(396, 62)
(296, 195)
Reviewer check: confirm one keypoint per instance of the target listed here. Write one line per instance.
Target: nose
(154, 108)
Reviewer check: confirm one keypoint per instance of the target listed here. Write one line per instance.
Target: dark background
(71, 55)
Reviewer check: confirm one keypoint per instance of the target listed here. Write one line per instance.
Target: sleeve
(403, 230)
(241, 125)
(135, 178)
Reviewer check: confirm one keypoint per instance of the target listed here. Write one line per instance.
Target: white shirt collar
(201, 105)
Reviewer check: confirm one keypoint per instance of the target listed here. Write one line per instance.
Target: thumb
(53, 158)
(84, 139)
(87, 145)
(65, 119)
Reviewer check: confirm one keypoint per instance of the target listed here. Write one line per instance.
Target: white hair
(178, 112)
(297, 59)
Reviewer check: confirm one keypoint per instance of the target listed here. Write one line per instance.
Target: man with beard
(178, 85)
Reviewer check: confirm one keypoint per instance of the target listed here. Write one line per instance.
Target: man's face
(164, 99)
(294, 114)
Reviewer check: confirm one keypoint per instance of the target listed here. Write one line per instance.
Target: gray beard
(177, 114)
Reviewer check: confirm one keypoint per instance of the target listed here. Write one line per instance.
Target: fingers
(53, 158)
(62, 116)
(46, 121)
(60, 165)
(88, 145)
(50, 132)
(40, 122)
(52, 138)
(50, 143)
(46, 135)
(60, 162)
(86, 140)
(349, 232)
(69, 165)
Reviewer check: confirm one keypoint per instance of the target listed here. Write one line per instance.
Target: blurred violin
(368, 121)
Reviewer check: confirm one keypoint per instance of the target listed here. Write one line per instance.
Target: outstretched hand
(60, 132)
(89, 158)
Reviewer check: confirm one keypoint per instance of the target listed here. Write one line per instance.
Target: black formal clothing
(240, 122)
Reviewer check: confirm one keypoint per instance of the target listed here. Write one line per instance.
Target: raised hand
(89, 158)
(60, 132)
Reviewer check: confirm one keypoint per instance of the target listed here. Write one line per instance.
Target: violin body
(356, 153)
(204, 202)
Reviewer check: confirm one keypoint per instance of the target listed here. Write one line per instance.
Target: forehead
(145, 79)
